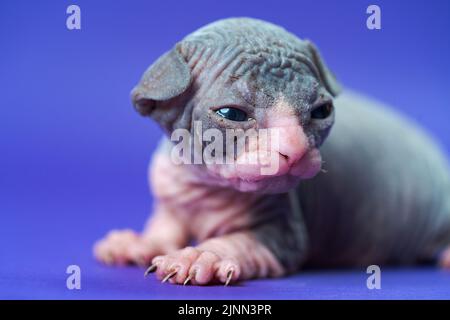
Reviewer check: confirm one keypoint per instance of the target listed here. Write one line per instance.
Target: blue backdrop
(74, 153)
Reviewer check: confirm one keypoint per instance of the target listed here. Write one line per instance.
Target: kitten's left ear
(328, 79)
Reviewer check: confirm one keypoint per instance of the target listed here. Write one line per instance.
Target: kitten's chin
(272, 185)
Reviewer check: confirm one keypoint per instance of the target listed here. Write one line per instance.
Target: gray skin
(385, 195)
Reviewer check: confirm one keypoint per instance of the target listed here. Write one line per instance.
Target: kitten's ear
(167, 78)
(328, 79)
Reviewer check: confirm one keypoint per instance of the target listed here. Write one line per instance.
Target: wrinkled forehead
(261, 85)
(255, 64)
(267, 86)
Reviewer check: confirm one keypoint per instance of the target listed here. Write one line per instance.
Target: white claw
(170, 275)
(229, 276)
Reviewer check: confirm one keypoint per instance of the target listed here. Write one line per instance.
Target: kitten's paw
(195, 266)
(123, 247)
(444, 259)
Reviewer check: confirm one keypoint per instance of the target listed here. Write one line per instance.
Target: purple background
(74, 153)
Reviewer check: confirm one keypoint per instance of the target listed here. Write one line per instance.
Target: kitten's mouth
(286, 175)
(304, 168)
(308, 166)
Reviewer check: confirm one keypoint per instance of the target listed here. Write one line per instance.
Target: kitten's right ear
(167, 78)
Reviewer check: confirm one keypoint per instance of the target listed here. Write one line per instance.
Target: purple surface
(73, 153)
(45, 280)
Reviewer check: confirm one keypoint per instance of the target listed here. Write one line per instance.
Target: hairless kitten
(377, 192)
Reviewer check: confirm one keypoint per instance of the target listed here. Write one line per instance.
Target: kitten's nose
(292, 142)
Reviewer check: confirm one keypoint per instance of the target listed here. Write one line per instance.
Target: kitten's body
(384, 198)
(364, 208)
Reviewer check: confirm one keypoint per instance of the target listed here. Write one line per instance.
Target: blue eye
(232, 114)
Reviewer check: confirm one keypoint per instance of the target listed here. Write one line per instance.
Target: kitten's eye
(322, 112)
(233, 114)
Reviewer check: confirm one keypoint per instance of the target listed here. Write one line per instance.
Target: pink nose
(293, 143)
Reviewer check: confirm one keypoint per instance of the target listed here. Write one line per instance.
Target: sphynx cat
(375, 189)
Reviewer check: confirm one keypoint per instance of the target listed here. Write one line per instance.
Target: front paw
(195, 266)
(121, 247)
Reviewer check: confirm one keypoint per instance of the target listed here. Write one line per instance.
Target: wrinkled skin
(377, 192)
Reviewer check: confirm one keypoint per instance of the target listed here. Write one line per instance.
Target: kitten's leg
(164, 233)
(270, 250)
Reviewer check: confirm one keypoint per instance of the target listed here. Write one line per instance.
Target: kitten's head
(244, 89)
